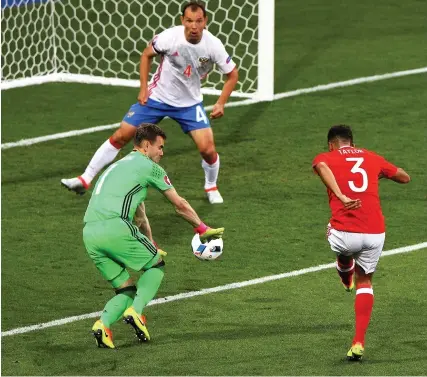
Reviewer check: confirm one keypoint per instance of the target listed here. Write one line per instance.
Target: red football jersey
(357, 171)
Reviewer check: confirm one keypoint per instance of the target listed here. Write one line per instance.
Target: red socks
(363, 305)
(346, 272)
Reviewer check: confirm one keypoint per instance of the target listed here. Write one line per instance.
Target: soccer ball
(208, 250)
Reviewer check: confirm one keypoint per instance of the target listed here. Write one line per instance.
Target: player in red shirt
(356, 231)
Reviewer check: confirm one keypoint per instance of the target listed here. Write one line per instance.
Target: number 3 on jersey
(356, 169)
(187, 71)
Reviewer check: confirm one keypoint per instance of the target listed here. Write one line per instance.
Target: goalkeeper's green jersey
(123, 187)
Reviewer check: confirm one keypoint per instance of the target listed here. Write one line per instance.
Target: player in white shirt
(188, 53)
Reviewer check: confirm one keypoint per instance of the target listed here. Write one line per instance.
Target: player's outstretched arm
(401, 176)
(144, 69)
(229, 85)
(328, 178)
(184, 209)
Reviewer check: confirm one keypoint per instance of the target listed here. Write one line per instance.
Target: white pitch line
(221, 288)
(341, 84)
(293, 93)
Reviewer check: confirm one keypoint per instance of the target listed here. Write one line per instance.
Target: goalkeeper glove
(206, 233)
(160, 251)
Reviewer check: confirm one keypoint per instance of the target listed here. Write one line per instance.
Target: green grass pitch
(275, 213)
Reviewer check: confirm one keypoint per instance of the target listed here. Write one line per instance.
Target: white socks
(211, 173)
(105, 154)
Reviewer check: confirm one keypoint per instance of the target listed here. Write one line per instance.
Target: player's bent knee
(360, 271)
(209, 154)
(122, 280)
(160, 264)
(208, 150)
(129, 288)
(362, 278)
(118, 141)
(345, 259)
(124, 134)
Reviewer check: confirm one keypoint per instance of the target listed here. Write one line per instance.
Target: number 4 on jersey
(187, 71)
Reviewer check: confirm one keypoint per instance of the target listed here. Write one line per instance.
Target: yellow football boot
(356, 352)
(349, 288)
(103, 335)
(131, 317)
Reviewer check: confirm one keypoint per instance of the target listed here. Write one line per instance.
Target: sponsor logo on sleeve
(167, 180)
(228, 60)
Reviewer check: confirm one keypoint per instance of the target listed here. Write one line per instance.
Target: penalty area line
(246, 102)
(221, 288)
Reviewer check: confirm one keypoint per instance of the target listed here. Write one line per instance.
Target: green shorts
(117, 244)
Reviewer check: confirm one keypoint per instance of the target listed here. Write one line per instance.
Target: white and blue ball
(207, 251)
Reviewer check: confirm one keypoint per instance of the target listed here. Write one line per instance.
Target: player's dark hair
(148, 131)
(194, 5)
(340, 131)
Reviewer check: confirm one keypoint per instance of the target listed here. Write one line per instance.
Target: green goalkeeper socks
(115, 308)
(148, 285)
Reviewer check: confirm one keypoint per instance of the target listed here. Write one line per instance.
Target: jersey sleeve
(387, 168)
(159, 179)
(322, 157)
(162, 42)
(221, 58)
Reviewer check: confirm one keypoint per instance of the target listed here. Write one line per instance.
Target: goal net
(100, 42)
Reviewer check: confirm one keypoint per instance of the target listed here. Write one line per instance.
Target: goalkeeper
(114, 243)
(188, 53)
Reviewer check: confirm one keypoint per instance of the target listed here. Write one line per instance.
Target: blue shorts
(189, 118)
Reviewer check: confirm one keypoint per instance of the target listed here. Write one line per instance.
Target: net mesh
(105, 38)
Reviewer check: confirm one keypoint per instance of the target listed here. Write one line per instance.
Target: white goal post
(100, 41)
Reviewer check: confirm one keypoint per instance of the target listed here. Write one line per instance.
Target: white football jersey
(177, 81)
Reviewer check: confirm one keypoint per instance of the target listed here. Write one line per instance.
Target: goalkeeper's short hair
(148, 131)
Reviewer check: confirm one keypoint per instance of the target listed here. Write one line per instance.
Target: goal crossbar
(255, 64)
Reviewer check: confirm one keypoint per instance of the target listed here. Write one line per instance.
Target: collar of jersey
(139, 153)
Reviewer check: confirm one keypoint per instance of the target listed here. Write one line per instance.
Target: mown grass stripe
(292, 93)
(221, 288)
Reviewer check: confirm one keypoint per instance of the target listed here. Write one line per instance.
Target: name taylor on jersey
(350, 151)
